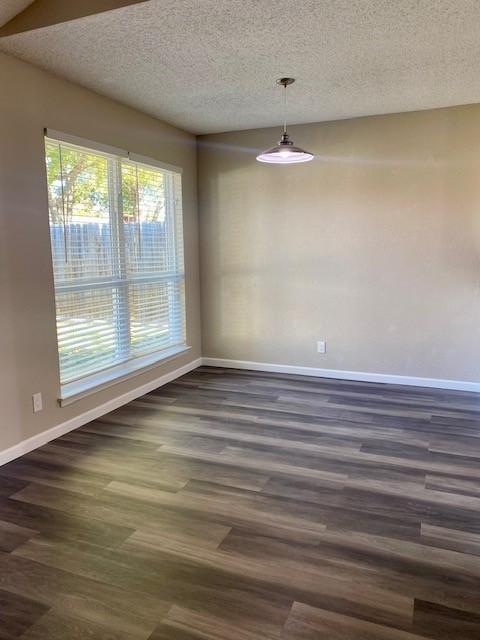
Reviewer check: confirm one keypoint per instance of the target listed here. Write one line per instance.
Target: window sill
(89, 385)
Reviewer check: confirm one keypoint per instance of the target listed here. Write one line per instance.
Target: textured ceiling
(211, 65)
(10, 8)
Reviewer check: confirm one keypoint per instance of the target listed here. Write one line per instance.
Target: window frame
(132, 364)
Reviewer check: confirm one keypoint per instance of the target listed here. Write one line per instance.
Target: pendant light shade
(285, 152)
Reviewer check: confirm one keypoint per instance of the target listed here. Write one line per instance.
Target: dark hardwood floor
(232, 505)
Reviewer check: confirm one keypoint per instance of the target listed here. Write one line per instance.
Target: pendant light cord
(285, 109)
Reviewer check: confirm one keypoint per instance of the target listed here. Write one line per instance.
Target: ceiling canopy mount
(285, 81)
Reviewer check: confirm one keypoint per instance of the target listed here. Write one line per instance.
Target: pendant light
(285, 152)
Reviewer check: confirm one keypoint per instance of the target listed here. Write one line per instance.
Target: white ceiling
(211, 65)
(10, 8)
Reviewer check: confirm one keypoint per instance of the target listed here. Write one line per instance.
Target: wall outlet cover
(37, 402)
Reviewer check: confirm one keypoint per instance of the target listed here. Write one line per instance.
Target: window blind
(117, 250)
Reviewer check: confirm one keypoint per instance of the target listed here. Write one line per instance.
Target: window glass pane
(144, 193)
(79, 201)
(87, 331)
(156, 315)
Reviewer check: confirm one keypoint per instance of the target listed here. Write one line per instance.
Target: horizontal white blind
(117, 250)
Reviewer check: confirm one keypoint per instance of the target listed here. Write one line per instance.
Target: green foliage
(143, 193)
(83, 192)
(78, 187)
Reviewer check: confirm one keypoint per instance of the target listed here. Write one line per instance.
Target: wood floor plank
(12, 535)
(250, 463)
(246, 505)
(202, 626)
(443, 538)
(406, 569)
(56, 625)
(18, 613)
(55, 475)
(444, 623)
(10, 485)
(311, 623)
(366, 601)
(83, 598)
(452, 484)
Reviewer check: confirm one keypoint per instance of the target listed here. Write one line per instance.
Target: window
(117, 249)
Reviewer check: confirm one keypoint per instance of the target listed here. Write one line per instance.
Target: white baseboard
(55, 432)
(360, 376)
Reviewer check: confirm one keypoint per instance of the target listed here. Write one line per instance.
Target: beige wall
(31, 100)
(373, 246)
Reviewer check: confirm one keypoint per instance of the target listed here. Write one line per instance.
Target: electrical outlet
(37, 402)
(321, 346)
